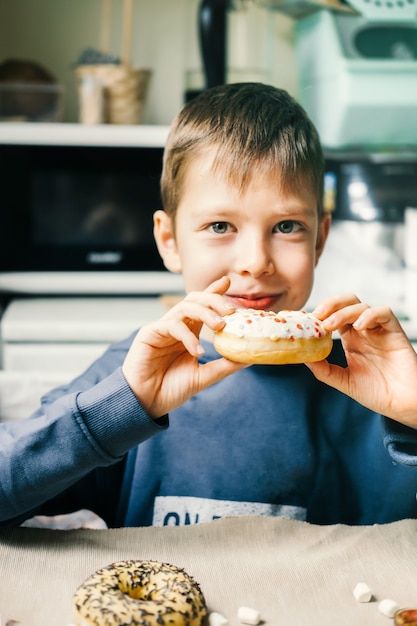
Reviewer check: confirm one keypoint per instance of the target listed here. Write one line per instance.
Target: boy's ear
(163, 231)
(323, 231)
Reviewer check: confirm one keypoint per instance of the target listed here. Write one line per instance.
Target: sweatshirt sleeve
(79, 429)
(401, 442)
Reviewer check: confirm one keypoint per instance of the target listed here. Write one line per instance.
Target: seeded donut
(268, 338)
(140, 593)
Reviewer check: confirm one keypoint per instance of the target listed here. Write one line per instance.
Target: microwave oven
(76, 207)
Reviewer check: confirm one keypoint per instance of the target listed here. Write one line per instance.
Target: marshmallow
(216, 619)
(246, 615)
(362, 592)
(388, 607)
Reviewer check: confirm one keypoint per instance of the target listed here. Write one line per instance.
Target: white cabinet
(67, 334)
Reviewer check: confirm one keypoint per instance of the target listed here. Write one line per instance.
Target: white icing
(282, 325)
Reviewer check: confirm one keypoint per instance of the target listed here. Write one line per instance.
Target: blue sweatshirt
(268, 440)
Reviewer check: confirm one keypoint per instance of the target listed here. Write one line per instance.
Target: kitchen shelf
(27, 133)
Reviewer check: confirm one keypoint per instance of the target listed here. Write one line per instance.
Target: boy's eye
(288, 226)
(220, 227)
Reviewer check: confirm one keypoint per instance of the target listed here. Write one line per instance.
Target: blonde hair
(241, 126)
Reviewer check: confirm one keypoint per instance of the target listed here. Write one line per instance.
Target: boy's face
(267, 242)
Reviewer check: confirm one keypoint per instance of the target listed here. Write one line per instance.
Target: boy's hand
(162, 365)
(381, 368)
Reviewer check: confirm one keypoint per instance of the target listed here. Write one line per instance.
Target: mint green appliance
(357, 74)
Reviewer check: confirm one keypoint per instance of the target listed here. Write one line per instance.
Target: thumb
(214, 371)
(332, 375)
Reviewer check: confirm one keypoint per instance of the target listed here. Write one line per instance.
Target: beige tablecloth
(295, 573)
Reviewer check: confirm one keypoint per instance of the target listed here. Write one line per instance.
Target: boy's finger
(342, 317)
(220, 286)
(335, 303)
(377, 317)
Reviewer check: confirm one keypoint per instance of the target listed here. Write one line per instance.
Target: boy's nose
(254, 257)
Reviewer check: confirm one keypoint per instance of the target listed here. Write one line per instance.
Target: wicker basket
(124, 89)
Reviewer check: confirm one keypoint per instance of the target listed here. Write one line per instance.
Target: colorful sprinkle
(254, 323)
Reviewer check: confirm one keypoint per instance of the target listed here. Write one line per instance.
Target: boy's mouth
(253, 302)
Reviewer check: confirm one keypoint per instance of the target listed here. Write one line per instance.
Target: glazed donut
(145, 593)
(268, 338)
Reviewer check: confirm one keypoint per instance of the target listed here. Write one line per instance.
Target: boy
(243, 222)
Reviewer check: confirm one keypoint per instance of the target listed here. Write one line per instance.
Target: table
(293, 572)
